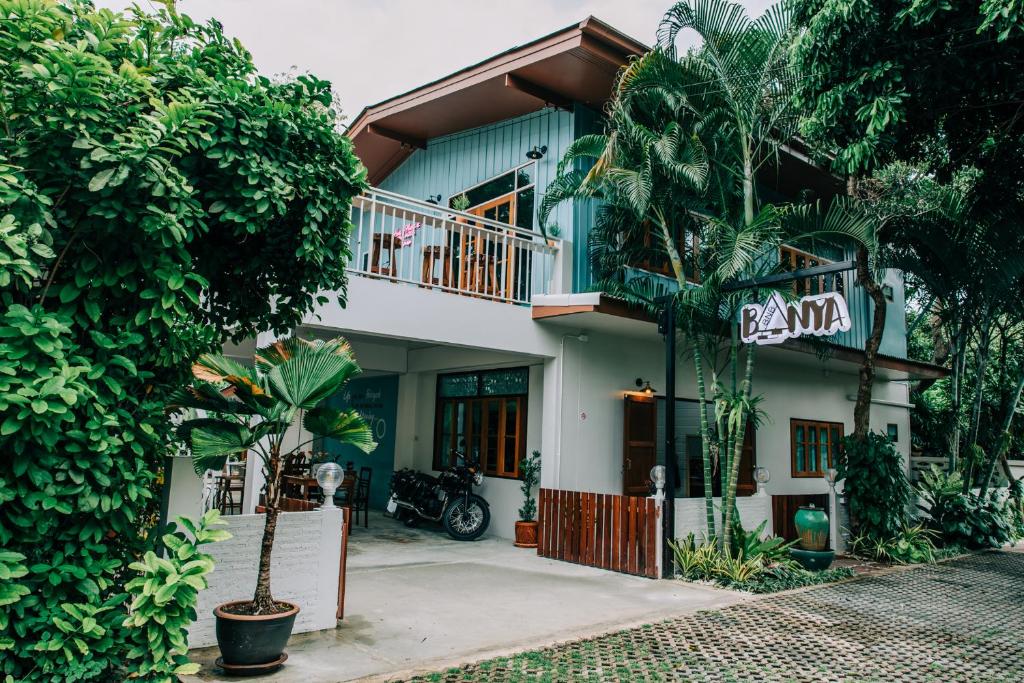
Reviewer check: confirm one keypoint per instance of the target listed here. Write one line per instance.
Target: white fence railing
(405, 240)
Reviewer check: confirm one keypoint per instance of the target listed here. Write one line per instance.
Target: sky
(371, 50)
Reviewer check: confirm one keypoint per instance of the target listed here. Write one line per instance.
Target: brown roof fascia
(600, 38)
(612, 306)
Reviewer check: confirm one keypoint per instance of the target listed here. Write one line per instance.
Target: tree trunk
(705, 438)
(955, 382)
(263, 601)
(981, 363)
(1004, 442)
(865, 385)
(729, 497)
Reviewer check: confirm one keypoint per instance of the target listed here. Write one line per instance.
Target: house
(479, 334)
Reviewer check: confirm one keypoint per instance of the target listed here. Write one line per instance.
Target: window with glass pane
(482, 414)
(496, 197)
(504, 382)
(465, 384)
(815, 446)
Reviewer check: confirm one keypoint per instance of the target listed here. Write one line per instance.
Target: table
(306, 484)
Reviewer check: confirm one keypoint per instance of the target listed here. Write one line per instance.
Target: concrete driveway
(419, 601)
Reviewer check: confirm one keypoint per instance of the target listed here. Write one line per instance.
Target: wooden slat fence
(600, 530)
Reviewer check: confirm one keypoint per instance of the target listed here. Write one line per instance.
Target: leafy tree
(933, 82)
(687, 135)
(251, 409)
(156, 196)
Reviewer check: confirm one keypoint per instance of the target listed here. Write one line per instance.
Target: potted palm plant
(526, 527)
(251, 409)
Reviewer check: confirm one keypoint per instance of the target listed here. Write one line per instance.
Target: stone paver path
(957, 621)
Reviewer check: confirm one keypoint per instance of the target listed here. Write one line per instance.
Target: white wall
(388, 309)
(597, 374)
(186, 495)
(303, 569)
(691, 515)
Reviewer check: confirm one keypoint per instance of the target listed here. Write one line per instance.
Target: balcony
(407, 241)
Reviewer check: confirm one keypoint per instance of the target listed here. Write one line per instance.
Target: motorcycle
(447, 498)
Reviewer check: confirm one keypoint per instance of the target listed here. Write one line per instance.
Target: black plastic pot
(247, 641)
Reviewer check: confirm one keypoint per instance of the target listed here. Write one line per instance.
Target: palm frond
(309, 372)
(346, 426)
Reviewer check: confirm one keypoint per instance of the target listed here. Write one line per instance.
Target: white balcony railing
(405, 240)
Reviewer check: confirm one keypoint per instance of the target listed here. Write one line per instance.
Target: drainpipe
(668, 520)
(580, 337)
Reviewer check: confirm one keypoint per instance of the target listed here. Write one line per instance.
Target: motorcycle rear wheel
(467, 521)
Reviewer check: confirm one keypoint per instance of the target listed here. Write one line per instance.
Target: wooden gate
(600, 530)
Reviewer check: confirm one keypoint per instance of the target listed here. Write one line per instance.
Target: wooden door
(639, 448)
(492, 266)
(785, 507)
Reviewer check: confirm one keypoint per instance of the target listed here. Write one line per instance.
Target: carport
(417, 600)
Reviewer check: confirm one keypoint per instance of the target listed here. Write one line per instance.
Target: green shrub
(529, 472)
(775, 580)
(758, 544)
(875, 485)
(157, 196)
(164, 600)
(964, 518)
(757, 564)
(912, 545)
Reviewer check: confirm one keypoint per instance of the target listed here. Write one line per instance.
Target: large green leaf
(205, 396)
(346, 426)
(211, 440)
(312, 373)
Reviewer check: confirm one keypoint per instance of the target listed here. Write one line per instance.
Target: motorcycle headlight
(478, 478)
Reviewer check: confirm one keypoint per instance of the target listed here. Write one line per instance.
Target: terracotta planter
(251, 643)
(526, 534)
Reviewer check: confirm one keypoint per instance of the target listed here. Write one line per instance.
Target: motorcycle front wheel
(467, 520)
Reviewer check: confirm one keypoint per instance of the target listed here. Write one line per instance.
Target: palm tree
(251, 409)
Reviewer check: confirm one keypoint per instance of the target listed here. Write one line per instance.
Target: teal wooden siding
(584, 211)
(452, 163)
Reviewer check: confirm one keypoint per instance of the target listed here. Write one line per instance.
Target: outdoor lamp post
(761, 477)
(329, 477)
(658, 477)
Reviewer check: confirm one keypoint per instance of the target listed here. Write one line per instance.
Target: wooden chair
(361, 499)
(431, 257)
(384, 243)
(296, 464)
(226, 502)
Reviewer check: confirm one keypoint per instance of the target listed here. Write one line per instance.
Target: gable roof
(576, 64)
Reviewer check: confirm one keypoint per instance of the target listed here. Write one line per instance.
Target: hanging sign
(405, 234)
(777, 320)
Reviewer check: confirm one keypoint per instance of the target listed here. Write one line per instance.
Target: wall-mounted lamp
(645, 386)
(537, 152)
(433, 199)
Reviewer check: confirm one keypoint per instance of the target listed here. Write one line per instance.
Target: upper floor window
(507, 198)
(793, 258)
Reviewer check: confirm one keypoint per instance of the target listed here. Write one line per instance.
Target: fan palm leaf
(345, 426)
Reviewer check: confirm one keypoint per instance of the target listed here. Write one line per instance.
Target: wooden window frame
(521, 400)
(833, 449)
